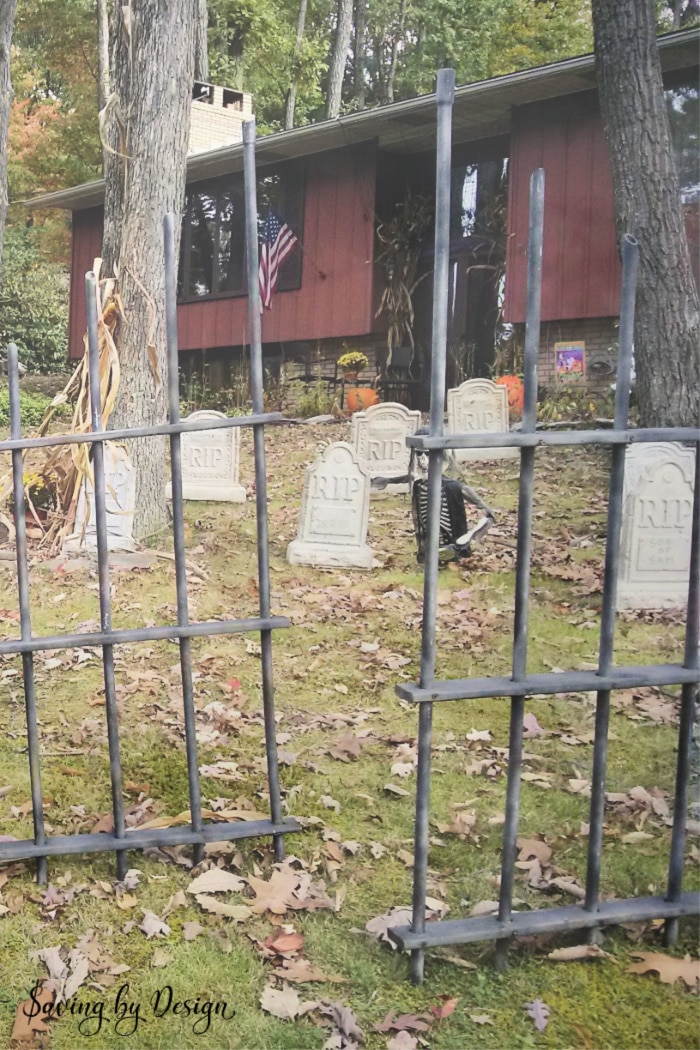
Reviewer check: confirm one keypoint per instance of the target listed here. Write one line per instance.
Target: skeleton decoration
(455, 535)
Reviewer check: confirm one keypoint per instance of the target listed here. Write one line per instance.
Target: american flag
(278, 241)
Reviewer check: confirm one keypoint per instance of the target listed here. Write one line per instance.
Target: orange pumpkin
(358, 398)
(514, 388)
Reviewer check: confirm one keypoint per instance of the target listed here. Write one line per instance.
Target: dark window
(212, 246)
(684, 118)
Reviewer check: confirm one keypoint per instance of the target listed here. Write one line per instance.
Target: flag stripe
(278, 241)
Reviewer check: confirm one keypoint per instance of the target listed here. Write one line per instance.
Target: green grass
(327, 687)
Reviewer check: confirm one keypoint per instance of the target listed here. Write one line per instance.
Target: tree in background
(152, 72)
(7, 17)
(648, 205)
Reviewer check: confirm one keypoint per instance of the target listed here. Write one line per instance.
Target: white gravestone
(656, 526)
(210, 460)
(120, 492)
(479, 406)
(379, 437)
(334, 512)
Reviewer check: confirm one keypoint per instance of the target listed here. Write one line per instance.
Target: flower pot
(358, 398)
(515, 391)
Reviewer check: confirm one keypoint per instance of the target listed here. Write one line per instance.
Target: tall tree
(648, 205)
(339, 57)
(152, 77)
(7, 19)
(201, 47)
(294, 78)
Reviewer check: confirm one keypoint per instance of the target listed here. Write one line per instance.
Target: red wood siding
(580, 267)
(335, 298)
(86, 247)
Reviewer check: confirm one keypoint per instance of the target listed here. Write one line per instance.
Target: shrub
(33, 303)
(32, 408)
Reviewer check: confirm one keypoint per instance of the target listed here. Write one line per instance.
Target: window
(212, 245)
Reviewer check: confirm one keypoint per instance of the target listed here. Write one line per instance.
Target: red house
(333, 182)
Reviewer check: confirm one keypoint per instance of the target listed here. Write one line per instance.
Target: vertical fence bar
(179, 531)
(443, 170)
(689, 696)
(97, 453)
(25, 613)
(256, 386)
(523, 555)
(630, 265)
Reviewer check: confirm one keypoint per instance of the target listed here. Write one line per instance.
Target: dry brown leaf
(237, 912)
(191, 930)
(216, 880)
(402, 1041)
(281, 1002)
(301, 971)
(285, 943)
(668, 968)
(480, 1019)
(275, 895)
(579, 951)
(152, 926)
(160, 958)
(27, 1026)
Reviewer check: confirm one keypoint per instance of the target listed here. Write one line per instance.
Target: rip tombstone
(334, 512)
(210, 462)
(479, 406)
(656, 526)
(120, 496)
(379, 437)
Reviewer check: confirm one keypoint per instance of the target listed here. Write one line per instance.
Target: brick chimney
(217, 116)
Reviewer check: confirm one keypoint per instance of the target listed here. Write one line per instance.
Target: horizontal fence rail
(592, 912)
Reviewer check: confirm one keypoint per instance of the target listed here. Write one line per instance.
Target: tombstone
(334, 512)
(379, 438)
(120, 492)
(656, 526)
(479, 406)
(210, 462)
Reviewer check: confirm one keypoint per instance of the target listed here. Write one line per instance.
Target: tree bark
(338, 59)
(7, 19)
(395, 53)
(103, 79)
(360, 87)
(201, 45)
(153, 72)
(648, 205)
(292, 92)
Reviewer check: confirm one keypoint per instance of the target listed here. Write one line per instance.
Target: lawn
(285, 955)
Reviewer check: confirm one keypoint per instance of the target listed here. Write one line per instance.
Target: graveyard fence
(197, 832)
(594, 912)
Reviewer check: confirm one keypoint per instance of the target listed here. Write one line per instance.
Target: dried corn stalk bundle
(68, 465)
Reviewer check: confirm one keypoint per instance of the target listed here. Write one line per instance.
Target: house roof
(481, 110)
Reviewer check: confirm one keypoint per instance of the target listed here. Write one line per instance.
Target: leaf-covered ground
(298, 953)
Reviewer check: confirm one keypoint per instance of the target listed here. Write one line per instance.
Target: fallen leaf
(275, 894)
(480, 1018)
(283, 943)
(668, 968)
(281, 1002)
(301, 971)
(160, 958)
(191, 930)
(152, 926)
(579, 951)
(403, 1023)
(28, 1021)
(444, 1008)
(539, 1012)
(216, 880)
(402, 1041)
(237, 912)
(394, 789)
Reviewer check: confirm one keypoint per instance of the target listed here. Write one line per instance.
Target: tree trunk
(103, 79)
(7, 18)
(201, 43)
(152, 72)
(648, 205)
(292, 92)
(339, 55)
(359, 53)
(395, 53)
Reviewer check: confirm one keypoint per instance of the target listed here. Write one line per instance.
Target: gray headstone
(334, 512)
(210, 461)
(120, 490)
(379, 435)
(479, 406)
(656, 526)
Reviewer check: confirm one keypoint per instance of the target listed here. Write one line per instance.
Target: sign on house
(120, 494)
(656, 526)
(379, 435)
(210, 462)
(334, 512)
(479, 406)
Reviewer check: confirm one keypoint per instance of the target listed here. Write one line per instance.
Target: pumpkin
(515, 391)
(358, 398)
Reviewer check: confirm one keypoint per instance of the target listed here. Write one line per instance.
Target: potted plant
(40, 496)
(356, 398)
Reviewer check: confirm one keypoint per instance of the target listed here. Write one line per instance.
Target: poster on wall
(570, 361)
